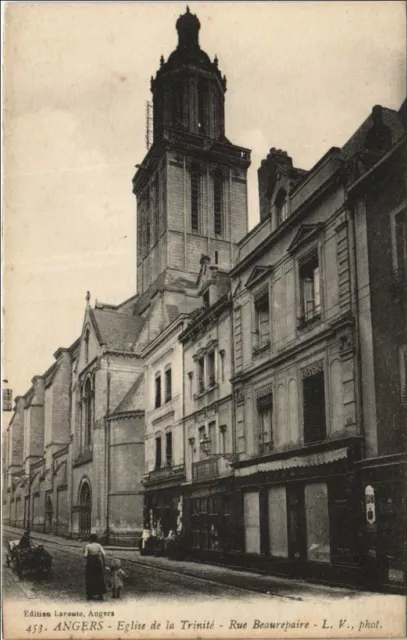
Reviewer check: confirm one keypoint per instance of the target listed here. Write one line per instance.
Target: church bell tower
(191, 187)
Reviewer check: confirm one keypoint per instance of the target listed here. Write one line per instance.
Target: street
(151, 578)
(67, 580)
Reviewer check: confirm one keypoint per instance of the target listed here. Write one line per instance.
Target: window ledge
(305, 321)
(199, 394)
(261, 349)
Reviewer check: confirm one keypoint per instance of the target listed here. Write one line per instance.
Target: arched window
(217, 202)
(282, 207)
(88, 411)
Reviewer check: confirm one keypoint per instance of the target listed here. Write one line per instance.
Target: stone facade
(252, 394)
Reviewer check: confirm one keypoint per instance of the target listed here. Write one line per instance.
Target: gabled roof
(257, 274)
(129, 401)
(305, 233)
(115, 330)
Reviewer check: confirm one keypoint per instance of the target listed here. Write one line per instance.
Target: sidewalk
(271, 585)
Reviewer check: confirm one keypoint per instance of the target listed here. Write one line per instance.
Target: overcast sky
(301, 76)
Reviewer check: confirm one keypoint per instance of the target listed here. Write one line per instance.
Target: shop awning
(311, 460)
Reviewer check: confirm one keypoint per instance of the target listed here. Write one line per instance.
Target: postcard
(204, 413)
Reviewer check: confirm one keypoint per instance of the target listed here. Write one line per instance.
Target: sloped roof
(129, 402)
(116, 330)
(356, 143)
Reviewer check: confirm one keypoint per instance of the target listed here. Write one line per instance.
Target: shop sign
(370, 505)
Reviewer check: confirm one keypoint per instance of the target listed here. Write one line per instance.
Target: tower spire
(188, 27)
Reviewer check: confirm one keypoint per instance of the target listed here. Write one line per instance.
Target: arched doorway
(85, 510)
(48, 513)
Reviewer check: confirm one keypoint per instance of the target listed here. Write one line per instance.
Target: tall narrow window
(222, 438)
(202, 91)
(206, 299)
(211, 369)
(195, 177)
(262, 319)
(157, 391)
(168, 448)
(265, 412)
(158, 452)
(87, 345)
(310, 288)
(222, 364)
(281, 207)
(168, 384)
(190, 378)
(201, 374)
(201, 437)
(217, 201)
(212, 436)
(314, 407)
(177, 110)
(88, 412)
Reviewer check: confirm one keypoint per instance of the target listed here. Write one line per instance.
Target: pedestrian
(116, 578)
(95, 569)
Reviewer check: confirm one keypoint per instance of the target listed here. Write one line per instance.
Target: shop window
(195, 178)
(157, 391)
(218, 201)
(314, 408)
(201, 375)
(158, 452)
(168, 384)
(295, 522)
(317, 522)
(343, 535)
(211, 369)
(281, 207)
(251, 511)
(262, 320)
(168, 448)
(277, 512)
(310, 293)
(265, 417)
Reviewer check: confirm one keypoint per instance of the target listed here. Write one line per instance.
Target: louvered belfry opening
(314, 408)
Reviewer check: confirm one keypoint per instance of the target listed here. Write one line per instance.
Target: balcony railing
(205, 469)
(163, 473)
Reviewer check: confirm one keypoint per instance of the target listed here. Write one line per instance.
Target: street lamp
(206, 444)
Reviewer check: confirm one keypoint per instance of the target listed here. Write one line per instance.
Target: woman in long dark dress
(95, 569)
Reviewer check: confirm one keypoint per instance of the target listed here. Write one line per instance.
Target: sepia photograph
(204, 320)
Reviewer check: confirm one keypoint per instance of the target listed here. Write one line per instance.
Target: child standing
(116, 578)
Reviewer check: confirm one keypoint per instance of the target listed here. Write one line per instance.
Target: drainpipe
(107, 456)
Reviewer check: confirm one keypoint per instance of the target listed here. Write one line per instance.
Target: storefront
(163, 501)
(210, 511)
(383, 495)
(300, 515)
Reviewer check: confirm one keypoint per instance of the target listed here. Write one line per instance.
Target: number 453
(35, 628)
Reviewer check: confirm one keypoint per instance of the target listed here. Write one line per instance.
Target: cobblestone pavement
(66, 582)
